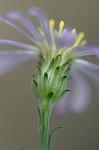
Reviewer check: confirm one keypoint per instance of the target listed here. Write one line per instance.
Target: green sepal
(39, 111)
(57, 58)
(35, 83)
(51, 64)
(39, 72)
(67, 90)
(68, 69)
(45, 76)
(54, 61)
(41, 60)
(39, 115)
(50, 95)
(50, 135)
(57, 70)
(63, 78)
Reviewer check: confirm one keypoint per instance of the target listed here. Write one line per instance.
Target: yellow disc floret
(79, 39)
(61, 26)
(51, 24)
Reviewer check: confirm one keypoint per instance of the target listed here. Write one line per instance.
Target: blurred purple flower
(45, 37)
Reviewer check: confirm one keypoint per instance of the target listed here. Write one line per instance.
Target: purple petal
(43, 20)
(18, 52)
(17, 15)
(18, 28)
(86, 65)
(65, 40)
(12, 59)
(69, 37)
(17, 44)
(86, 50)
(59, 42)
(78, 98)
(89, 69)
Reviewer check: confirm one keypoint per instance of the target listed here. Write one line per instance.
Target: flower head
(60, 58)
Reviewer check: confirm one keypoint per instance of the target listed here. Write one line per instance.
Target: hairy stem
(44, 113)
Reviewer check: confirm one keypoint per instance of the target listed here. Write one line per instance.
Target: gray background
(18, 107)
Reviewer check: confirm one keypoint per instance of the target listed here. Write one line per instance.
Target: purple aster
(47, 42)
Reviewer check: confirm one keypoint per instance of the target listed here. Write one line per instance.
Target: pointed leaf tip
(45, 76)
(35, 83)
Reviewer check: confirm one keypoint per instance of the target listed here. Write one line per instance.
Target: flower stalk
(44, 112)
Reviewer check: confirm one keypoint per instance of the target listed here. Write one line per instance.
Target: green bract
(50, 83)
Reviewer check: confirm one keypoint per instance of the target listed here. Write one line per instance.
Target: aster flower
(61, 50)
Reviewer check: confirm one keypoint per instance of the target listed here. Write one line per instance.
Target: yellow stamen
(79, 39)
(84, 42)
(74, 31)
(41, 31)
(51, 24)
(61, 26)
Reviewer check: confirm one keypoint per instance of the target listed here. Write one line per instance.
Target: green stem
(44, 112)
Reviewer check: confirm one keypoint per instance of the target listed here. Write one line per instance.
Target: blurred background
(18, 104)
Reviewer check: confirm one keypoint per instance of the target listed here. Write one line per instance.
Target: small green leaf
(50, 135)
